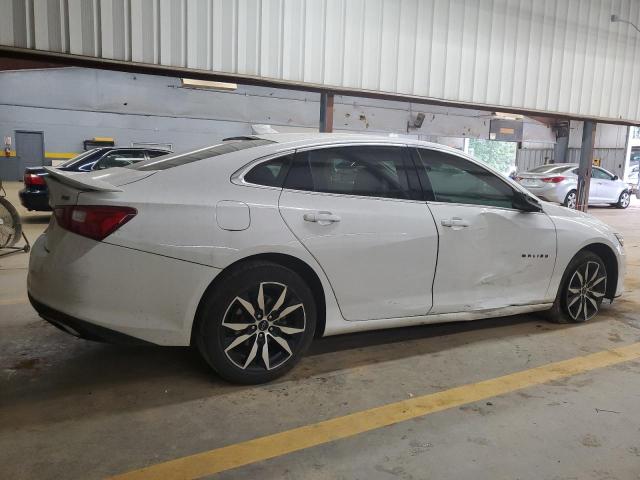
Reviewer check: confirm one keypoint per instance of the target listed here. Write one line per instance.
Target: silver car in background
(558, 182)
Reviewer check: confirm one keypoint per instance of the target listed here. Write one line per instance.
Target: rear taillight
(93, 221)
(553, 179)
(33, 180)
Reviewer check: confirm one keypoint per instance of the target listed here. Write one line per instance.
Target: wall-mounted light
(615, 18)
(417, 122)
(207, 84)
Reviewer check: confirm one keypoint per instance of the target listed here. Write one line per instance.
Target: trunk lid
(532, 179)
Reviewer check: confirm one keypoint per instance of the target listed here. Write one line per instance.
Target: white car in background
(558, 182)
(250, 248)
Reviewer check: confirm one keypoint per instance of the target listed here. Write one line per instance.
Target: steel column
(586, 162)
(561, 148)
(326, 112)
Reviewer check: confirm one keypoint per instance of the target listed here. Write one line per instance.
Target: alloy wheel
(572, 200)
(585, 291)
(624, 199)
(263, 327)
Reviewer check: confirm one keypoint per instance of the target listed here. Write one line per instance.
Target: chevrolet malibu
(249, 249)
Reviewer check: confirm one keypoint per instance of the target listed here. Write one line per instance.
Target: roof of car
(331, 137)
(304, 139)
(135, 148)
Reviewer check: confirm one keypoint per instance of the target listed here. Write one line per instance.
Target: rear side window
(170, 161)
(372, 171)
(454, 179)
(270, 173)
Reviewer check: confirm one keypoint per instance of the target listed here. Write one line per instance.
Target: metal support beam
(561, 148)
(586, 161)
(326, 112)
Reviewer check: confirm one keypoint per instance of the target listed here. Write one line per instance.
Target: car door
(491, 255)
(607, 189)
(357, 210)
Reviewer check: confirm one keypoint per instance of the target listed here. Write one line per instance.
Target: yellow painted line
(14, 301)
(60, 154)
(271, 446)
(63, 155)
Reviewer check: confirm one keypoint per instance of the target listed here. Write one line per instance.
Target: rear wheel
(570, 201)
(624, 200)
(257, 326)
(10, 226)
(582, 290)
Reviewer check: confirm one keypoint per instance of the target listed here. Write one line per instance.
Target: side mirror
(525, 203)
(615, 177)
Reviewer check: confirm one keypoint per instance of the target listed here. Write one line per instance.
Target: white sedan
(250, 248)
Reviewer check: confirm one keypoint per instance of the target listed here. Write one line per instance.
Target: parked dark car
(35, 195)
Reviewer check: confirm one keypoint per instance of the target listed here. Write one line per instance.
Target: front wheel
(571, 200)
(258, 325)
(582, 290)
(624, 200)
(10, 226)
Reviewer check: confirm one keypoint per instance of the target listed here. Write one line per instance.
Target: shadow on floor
(44, 370)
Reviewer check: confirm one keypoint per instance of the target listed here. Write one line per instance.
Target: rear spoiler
(81, 181)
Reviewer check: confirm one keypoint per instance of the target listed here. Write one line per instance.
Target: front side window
(453, 179)
(372, 171)
(119, 158)
(600, 174)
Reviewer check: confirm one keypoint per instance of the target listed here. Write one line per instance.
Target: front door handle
(321, 218)
(454, 222)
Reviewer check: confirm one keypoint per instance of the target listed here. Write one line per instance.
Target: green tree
(499, 155)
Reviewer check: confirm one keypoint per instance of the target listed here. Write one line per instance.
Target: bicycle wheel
(10, 226)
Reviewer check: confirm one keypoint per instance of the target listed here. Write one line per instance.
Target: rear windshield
(170, 161)
(551, 168)
(80, 159)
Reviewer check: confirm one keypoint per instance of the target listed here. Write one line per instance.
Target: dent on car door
(357, 211)
(491, 255)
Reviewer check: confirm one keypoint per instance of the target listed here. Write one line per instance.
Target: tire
(10, 226)
(572, 303)
(571, 200)
(229, 314)
(624, 200)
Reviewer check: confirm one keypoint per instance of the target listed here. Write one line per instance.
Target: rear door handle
(321, 218)
(454, 222)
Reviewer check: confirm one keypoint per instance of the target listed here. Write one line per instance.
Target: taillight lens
(96, 222)
(553, 179)
(33, 180)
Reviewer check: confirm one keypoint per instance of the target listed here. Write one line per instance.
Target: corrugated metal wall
(561, 56)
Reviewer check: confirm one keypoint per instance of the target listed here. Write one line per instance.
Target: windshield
(170, 161)
(72, 162)
(551, 168)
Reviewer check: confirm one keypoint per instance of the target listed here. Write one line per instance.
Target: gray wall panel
(558, 56)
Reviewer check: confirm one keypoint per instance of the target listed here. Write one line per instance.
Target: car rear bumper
(82, 329)
(98, 289)
(35, 200)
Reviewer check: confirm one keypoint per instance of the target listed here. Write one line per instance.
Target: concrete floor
(75, 409)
